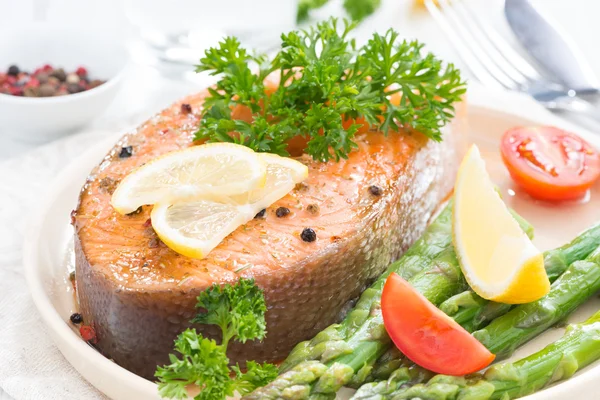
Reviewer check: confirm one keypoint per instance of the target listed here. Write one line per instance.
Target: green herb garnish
(324, 79)
(306, 6)
(361, 9)
(239, 311)
(356, 9)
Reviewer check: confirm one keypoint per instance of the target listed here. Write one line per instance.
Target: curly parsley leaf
(327, 89)
(240, 312)
(361, 9)
(356, 9)
(256, 375)
(203, 363)
(306, 6)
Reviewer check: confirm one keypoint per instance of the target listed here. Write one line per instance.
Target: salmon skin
(139, 295)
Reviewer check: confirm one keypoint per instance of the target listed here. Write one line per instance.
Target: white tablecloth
(30, 366)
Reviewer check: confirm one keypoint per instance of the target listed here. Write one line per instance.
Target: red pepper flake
(88, 333)
(33, 82)
(81, 71)
(148, 223)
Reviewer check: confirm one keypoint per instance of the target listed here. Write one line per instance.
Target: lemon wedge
(215, 168)
(497, 258)
(193, 228)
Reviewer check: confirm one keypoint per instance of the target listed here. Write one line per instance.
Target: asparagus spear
(473, 312)
(419, 258)
(351, 359)
(579, 347)
(329, 342)
(347, 351)
(579, 282)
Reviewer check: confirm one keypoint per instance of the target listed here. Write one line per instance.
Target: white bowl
(40, 119)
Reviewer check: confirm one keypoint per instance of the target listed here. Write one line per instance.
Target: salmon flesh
(139, 295)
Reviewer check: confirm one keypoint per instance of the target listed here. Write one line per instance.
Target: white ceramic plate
(48, 254)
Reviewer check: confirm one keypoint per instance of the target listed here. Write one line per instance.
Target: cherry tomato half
(550, 163)
(426, 335)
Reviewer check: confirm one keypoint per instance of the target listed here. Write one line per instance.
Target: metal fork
(495, 63)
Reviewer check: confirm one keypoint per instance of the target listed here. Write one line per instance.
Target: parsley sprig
(356, 9)
(239, 311)
(325, 81)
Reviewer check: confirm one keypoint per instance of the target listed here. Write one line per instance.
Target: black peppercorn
(308, 235)
(186, 108)
(76, 318)
(261, 213)
(13, 70)
(282, 212)
(126, 152)
(375, 190)
(136, 211)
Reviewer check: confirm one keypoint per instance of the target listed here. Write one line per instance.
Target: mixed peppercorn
(375, 190)
(87, 332)
(76, 318)
(282, 212)
(308, 235)
(261, 213)
(45, 81)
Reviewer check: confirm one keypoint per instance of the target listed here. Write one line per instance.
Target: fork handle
(575, 105)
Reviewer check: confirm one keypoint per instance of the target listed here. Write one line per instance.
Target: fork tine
(502, 47)
(468, 37)
(464, 52)
(474, 27)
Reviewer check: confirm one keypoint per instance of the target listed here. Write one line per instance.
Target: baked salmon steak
(366, 210)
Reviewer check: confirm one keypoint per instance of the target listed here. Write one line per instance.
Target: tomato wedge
(550, 163)
(426, 335)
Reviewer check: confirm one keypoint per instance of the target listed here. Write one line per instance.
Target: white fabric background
(31, 367)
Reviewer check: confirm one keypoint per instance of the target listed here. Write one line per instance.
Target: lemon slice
(193, 228)
(497, 258)
(215, 168)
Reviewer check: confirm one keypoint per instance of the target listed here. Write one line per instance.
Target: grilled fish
(365, 211)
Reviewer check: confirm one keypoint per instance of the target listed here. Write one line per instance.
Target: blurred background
(161, 40)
